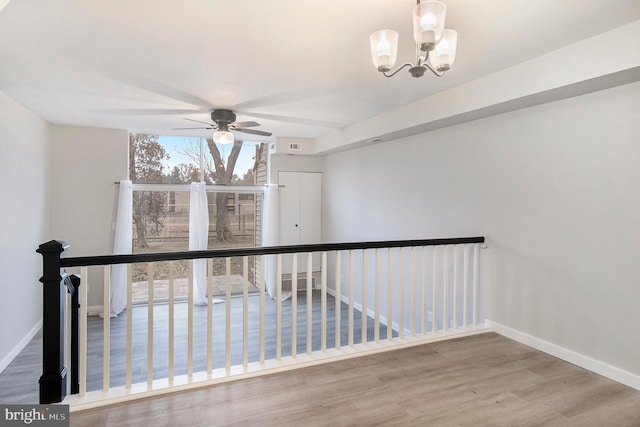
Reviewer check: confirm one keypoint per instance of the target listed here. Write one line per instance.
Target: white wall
(293, 163)
(24, 169)
(555, 190)
(85, 164)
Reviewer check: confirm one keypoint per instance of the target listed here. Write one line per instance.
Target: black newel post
(53, 382)
(75, 334)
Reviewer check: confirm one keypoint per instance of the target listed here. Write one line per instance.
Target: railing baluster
(401, 296)
(413, 291)
(389, 293)
(309, 303)
(455, 285)
(376, 322)
(262, 289)
(106, 329)
(74, 344)
(294, 305)
(445, 287)
(171, 309)
(279, 307)
(363, 317)
(351, 279)
(209, 327)
(338, 299)
(424, 305)
(84, 276)
(434, 291)
(150, 293)
(66, 321)
(190, 322)
(475, 283)
(323, 302)
(228, 315)
(465, 281)
(129, 326)
(245, 311)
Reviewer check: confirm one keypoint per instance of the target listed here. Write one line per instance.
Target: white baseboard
(94, 310)
(20, 346)
(370, 312)
(586, 362)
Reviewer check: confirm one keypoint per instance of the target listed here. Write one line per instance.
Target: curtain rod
(212, 188)
(215, 185)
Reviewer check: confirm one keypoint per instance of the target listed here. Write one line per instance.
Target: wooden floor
(19, 380)
(483, 380)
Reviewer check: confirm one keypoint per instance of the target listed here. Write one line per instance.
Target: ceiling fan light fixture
(223, 137)
(223, 122)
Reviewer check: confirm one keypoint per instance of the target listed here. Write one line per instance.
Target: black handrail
(264, 250)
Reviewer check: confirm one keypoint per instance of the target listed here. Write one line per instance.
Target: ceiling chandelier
(435, 45)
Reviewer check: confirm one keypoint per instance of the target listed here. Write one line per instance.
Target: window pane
(161, 224)
(181, 160)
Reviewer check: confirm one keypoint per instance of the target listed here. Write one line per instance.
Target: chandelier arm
(405, 65)
(433, 70)
(419, 59)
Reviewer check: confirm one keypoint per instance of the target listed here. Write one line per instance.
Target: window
(161, 169)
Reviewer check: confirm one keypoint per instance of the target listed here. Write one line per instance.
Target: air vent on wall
(294, 146)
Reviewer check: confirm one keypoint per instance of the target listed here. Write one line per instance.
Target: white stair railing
(371, 297)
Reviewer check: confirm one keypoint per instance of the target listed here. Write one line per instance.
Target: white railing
(370, 297)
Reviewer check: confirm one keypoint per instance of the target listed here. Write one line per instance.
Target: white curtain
(198, 238)
(122, 245)
(270, 238)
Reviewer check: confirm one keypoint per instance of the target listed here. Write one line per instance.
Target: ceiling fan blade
(282, 98)
(199, 121)
(296, 120)
(159, 88)
(150, 111)
(250, 124)
(191, 128)
(253, 132)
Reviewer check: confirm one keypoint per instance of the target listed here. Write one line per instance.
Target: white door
(299, 214)
(300, 210)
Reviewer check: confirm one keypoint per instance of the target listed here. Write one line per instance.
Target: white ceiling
(301, 68)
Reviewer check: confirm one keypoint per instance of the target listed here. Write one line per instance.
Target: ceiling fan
(224, 121)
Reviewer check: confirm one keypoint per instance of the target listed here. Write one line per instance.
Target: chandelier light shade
(435, 45)
(428, 23)
(223, 137)
(444, 54)
(384, 49)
